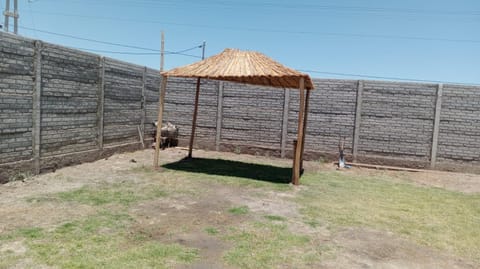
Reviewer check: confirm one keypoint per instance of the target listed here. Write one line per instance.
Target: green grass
(241, 210)
(431, 216)
(267, 245)
(100, 241)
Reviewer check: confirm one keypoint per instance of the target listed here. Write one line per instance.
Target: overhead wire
(290, 6)
(29, 4)
(154, 51)
(384, 77)
(157, 51)
(89, 39)
(181, 52)
(266, 30)
(139, 53)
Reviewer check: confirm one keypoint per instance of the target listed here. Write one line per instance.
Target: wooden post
(161, 102)
(194, 120)
(436, 126)
(219, 116)
(283, 142)
(298, 149)
(36, 112)
(305, 117)
(162, 51)
(101, 103)
(358, 119)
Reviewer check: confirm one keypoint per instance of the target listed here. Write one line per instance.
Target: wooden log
(384, 167)
(161, 103)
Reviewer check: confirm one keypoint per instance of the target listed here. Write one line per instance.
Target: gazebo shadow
(221, 167)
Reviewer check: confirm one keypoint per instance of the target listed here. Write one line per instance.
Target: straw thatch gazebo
(243, 67)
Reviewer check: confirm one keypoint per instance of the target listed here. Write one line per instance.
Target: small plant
(237, 150)
(20, 177)
(242, 210)
(31, 233)
(275, 218)
(323, 160)
(312, 223)
(211, 230)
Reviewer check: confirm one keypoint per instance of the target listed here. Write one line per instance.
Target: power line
(276, 5)
(89, 39)
(29, 4)
(138, 53)
(185, 50)
(119, 52)
(266, 30)
(181, 52)
(382, 77)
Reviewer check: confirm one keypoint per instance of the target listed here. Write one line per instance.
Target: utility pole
(162, 52)
(7, 13)
(15, 16)
(203, 50)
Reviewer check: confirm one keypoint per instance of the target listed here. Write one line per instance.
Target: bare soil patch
(461, 182)
(368, 248)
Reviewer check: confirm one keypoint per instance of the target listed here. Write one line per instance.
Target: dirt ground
(461, 182)
(182, 218)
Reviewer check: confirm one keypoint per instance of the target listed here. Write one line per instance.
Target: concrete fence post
(36, 109)
(143, 102)
(358, 120)
(218, 133)
(436, 126)
(100, 101)
(283, 141)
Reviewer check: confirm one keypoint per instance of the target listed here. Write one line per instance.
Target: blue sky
(420, 39)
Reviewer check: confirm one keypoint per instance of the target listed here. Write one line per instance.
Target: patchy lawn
(225, 210)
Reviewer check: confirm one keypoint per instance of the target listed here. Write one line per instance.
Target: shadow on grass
(229, 168)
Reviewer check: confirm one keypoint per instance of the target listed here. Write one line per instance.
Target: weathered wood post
(298, 150)
(161, 102)
(194, 120)
(218, 134)
(305, 118)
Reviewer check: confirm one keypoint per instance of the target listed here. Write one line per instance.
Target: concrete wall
(60, 106)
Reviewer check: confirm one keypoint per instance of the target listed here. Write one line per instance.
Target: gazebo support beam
(305, 118)
(194, 120)
(161, 103)
(300, 134)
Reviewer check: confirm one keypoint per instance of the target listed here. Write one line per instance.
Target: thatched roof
(245, 67)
